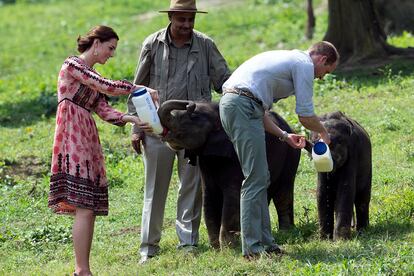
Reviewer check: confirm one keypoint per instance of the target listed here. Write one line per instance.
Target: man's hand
(296, 141)
(325, 137)
(136, 140)
(313, 123)
(154, 96)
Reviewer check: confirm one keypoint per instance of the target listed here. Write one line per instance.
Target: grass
(40, 34)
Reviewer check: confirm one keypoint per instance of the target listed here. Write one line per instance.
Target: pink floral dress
(78, 170)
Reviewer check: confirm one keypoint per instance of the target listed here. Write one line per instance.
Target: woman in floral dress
(78, 183)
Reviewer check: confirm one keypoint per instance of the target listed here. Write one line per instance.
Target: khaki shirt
(206, 68)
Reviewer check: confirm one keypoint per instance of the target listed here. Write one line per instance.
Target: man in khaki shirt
(182, 64)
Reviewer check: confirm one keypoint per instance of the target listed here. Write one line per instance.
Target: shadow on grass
(300, 233)
(17, 113)
(374, 75)
(371, 244)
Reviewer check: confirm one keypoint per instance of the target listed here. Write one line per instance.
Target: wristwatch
(284, 137)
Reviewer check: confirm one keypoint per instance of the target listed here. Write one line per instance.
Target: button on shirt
(275, 75)
(177, 72)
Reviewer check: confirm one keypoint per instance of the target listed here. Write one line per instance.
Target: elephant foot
(214, 241)
(285, 222)
(325, 236)
(230, 239)
(286, 226)
(362, 226)
(342, 233)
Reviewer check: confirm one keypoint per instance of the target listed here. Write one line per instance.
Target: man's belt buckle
(247, 94)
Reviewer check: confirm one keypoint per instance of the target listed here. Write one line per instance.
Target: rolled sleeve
(303, 76)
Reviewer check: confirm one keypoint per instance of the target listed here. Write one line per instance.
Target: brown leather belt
(242, 92)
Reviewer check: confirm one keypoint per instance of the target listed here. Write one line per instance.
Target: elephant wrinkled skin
(196, 127)
(349, 184)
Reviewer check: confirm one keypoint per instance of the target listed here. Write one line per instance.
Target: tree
(395, 16)
(310, 26)
(355, 30)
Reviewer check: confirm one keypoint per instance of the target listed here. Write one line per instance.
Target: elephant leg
(213, 202)
(344, 210)
(283, 201)
(343, 224)
(325, 202)
(362, 199)
(230, 216)
(281, 188)
(230, 220)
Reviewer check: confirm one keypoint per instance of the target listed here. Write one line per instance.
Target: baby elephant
(349, 183)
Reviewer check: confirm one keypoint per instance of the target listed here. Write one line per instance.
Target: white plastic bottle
(146, 109)
(322, 158)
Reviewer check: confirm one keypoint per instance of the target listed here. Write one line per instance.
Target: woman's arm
(90, 78)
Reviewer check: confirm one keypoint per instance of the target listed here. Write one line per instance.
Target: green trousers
(242, 120)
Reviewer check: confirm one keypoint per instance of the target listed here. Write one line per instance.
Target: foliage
(40, 34)
(48, 234)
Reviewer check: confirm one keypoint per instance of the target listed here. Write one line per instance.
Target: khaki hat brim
(179, 10)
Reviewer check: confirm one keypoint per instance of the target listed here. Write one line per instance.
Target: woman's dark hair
(103, 33)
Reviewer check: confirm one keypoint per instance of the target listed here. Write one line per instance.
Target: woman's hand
(140, 124)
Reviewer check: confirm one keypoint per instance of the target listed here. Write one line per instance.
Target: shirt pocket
(155, 76)
(204, 85)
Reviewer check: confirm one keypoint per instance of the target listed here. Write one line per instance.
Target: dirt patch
(28, 166)
(128, 230)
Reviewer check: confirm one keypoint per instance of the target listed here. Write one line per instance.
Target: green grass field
(39, 35)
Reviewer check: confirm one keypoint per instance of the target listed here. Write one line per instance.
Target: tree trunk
(354, 29)
(310, 27)
(395, 16)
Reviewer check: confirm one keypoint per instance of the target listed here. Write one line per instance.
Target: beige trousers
(159, 162)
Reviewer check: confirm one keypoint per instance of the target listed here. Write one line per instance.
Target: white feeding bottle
(146, 109)
(322, 158)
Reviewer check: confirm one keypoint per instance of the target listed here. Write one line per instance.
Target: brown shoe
(274, 249)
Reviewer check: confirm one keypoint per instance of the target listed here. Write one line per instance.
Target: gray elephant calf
(349, 184)
(196, 127)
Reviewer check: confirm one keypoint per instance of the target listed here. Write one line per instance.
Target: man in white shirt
(248, 95)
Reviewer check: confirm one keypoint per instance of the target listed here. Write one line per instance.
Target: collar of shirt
(171, 42)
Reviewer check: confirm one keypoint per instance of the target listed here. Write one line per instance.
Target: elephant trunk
(164, 112)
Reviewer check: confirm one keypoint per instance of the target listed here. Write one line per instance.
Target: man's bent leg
(242, 120)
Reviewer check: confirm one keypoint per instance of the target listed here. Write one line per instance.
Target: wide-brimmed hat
(183, 6)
